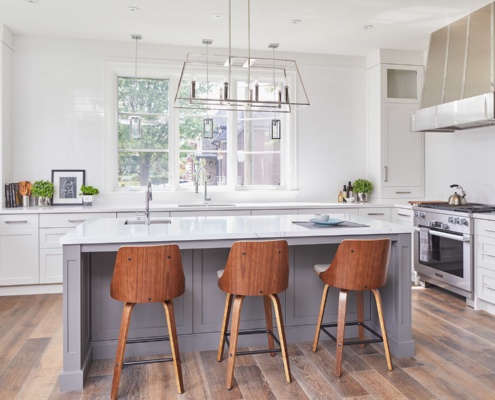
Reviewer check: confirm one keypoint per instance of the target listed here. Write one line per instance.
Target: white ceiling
(327, 26)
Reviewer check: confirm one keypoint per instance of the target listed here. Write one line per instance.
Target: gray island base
(92, 317)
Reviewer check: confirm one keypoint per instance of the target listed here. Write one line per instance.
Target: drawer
(381, 213)
(485, 252)
(483, 227)
(397, 192)
(50, 237)
(69, 220)
(18, 221)
(485, 285)
(403, 215)
(132, 214)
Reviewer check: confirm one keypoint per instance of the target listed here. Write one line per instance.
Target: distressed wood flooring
(455, 359)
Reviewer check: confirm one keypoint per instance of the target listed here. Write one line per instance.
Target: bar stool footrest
(155, 360)
(378, 339)
(148, 340)
(255, 332)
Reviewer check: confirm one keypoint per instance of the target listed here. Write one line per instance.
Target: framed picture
(67, 186)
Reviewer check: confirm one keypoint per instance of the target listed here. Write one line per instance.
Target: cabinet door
(401, 83)
(51, 266)
(403, 150)
(19, 256)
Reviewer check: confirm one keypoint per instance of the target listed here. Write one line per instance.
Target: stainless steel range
(443, 245)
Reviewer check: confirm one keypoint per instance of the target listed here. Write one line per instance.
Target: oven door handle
(459, 238)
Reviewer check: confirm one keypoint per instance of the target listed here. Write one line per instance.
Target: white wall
(466, 158)
(58, 115)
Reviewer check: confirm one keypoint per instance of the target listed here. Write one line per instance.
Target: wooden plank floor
(455, 359)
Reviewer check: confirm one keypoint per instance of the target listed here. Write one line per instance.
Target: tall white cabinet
(395, 154)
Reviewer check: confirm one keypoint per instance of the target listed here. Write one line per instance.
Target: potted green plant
(44, 191)
(88, 193)
(362, 187)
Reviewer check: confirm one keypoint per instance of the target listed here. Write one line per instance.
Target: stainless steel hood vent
(458, 91)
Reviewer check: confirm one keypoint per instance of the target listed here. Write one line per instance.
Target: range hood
(459, 82)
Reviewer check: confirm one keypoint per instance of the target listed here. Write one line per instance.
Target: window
(146, 157)
(173, 152)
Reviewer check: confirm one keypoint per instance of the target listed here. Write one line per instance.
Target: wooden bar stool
(254, 269)
(358, 265)
(147, 274)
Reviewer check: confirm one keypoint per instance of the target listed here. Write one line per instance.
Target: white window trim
(160, 71)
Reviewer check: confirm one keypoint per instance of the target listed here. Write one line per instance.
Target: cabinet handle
(376, 213)
(403, 192)
(17, 222)
(488, 254)
(403, 215)
(489, 229)
(488, 286)
(386, 173)
(76, 220)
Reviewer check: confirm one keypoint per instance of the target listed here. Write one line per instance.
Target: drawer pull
(76, 220)
(403, 192)
(488, 286)
(488, 254)
(17, 222)
(403, 215)
(489, 229)
(376, 213)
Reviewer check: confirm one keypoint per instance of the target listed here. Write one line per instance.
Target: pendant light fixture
(207, 122)
(135, 120)
(275, 125)
(233, 73)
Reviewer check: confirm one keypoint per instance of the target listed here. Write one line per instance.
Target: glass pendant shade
(276, 129)
(208, 128)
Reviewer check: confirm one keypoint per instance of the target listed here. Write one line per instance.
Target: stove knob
(464, 221)
(451, 220)
(431, 223)
(444, 226)
(457, 221)
(422, 215)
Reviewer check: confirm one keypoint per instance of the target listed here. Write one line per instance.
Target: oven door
(448, 261)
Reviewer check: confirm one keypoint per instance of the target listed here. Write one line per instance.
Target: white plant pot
(87, 199)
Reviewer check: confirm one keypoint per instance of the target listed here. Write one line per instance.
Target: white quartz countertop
(180, 229)
(154, 206)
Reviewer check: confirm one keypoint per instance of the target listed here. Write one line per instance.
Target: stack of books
(12, 196)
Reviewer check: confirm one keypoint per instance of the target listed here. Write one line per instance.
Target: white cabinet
(484, 272)
(52, 228)
(19, 250)
(381, 213)
(395, 154)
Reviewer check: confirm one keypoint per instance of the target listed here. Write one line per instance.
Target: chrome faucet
(149, 196)
(202, 170)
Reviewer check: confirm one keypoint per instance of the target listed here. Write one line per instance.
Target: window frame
(113, 70)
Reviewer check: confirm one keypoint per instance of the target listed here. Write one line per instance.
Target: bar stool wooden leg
(281, 334)
(360, 314)
(340, 331)
(320, 316)
(383, 328)
(174, 344)
(269, 322)
(119, 357)
(234, 330)
(225, 325)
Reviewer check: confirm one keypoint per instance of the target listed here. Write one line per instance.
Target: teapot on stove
(457, 199)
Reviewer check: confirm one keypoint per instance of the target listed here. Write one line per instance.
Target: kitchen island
(92, 317)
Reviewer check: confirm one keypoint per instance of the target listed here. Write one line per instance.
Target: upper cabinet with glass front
(401, 83)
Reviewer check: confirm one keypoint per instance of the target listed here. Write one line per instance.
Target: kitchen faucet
(202, 170)
(149, 196)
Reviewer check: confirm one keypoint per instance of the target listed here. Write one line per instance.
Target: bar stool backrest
(359, 265)
(256, 268)
(146, 274)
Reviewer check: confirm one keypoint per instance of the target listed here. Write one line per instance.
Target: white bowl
(321, 217)
(349, 199)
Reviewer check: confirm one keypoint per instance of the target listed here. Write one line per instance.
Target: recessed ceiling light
(368, 26)
(296, 21)
(32, 1)
(133, 9)
(217, 16)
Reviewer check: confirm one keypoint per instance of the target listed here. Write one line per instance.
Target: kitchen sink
(208, 205)
(143, 221)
